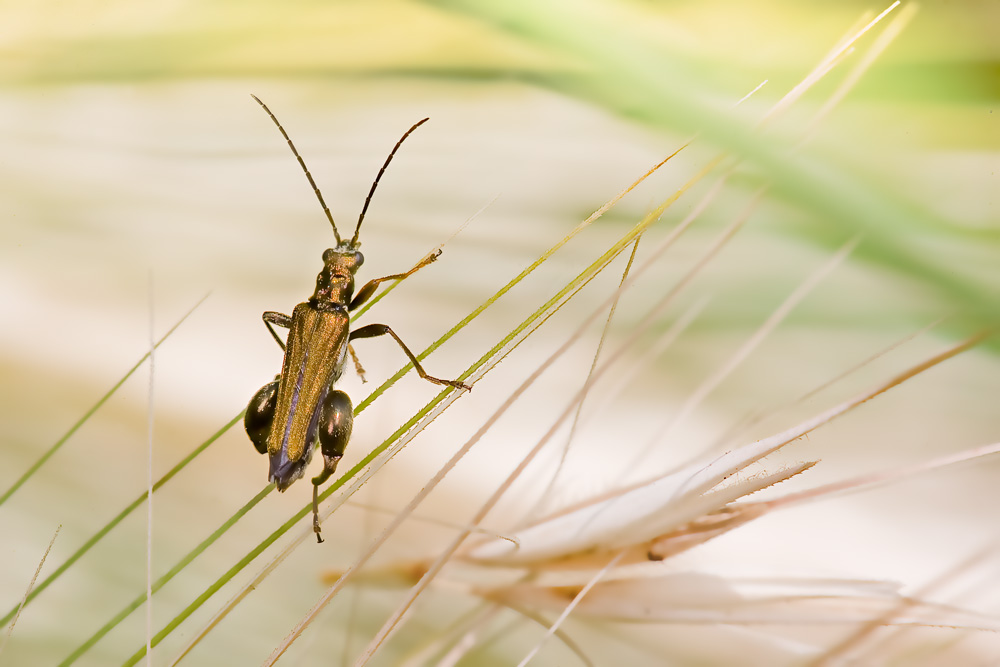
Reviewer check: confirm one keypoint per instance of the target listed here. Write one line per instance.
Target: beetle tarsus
(316, 528)
(358, 368)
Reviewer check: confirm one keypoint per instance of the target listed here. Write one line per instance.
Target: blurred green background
(138, 175)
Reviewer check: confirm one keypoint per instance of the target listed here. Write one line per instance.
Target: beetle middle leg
(358, 368)
(372, 330)
(336, 421)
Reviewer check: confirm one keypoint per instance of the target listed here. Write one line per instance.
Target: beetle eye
(328, 254)
(359, 259)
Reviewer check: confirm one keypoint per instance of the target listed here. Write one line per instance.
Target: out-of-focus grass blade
(162, 581)
(632, 77)
(89, 413)
(99, 535)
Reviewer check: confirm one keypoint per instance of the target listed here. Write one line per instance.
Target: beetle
(287, 416)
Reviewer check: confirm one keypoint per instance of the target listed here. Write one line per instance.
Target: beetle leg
(369, 288)
(358, 368)
(372, 330)
(270, 317)
(336, 419)
(260, 412)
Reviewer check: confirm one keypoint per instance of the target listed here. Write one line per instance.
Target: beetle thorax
(335, 283)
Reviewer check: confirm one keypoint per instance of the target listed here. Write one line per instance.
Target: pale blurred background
(138, 175)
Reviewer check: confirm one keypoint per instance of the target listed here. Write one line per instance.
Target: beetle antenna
(381, 171)
(302, 163)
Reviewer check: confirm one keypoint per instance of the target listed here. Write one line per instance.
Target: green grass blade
(89, 413)
(99, 535)
(162, 581)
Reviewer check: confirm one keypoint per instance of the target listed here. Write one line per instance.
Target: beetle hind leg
(336, 420)
(260, 413)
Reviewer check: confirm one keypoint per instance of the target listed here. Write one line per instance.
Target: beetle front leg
(336, 420)
(369, 287)
(260, 413)
(270, 317)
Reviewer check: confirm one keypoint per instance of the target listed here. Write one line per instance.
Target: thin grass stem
(90, 412)
(135, 504)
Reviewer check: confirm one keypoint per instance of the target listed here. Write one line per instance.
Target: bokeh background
(138, 175)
